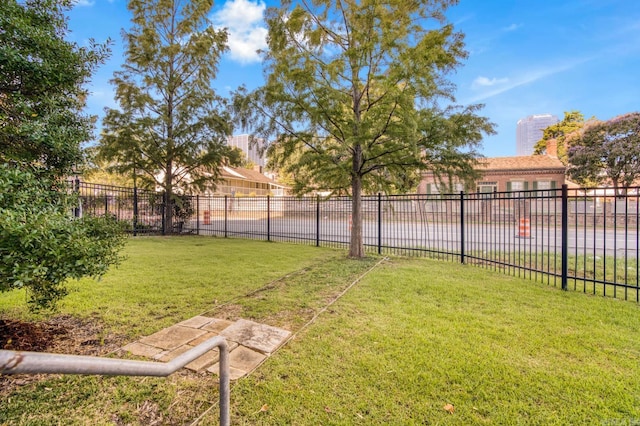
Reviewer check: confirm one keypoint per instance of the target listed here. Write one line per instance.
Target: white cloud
(511, 27)
(84, 2)
(243, 20)
(463, 19)
(482, 81)
(525, 78)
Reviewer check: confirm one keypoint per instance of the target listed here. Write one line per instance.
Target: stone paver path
(250, 343)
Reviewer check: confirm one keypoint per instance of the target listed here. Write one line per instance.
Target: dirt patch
(63, 334)
(290, 320)
(60, 334)
(229, 312)
(27, 336)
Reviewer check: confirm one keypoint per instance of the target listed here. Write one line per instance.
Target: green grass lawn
(410, 337)
(166, 280)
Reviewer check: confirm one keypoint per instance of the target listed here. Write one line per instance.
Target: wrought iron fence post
(462, 227)
(379, 223)
(164, 213)
(268, 218)
(565, 236)
(198, 214)
(317, 221)
(76, 188)
(226, 205)
(135, 211)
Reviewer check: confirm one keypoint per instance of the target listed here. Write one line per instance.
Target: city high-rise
(253, 152)
(529, 131)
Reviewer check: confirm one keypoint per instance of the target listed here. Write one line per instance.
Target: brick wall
(514, 179)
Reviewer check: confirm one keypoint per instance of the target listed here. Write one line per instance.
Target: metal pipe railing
(18, 362)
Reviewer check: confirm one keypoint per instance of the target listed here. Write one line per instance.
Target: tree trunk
(356, 248)
(619, 188)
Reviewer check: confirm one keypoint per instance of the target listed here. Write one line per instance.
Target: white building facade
(253, 151)
(529, 131)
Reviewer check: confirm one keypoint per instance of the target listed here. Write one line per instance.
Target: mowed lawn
(411, 337)
(166, 280)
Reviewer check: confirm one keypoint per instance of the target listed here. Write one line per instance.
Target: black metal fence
(581, 239)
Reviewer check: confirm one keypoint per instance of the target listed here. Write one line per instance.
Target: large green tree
(42, 128)
(357, 90)
(41, 86)
(171, 126)
(607, 152)
(572, 122)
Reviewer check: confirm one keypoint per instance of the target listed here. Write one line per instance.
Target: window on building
(516, 185)
(435, 188)
(487, 188)
(544, 184)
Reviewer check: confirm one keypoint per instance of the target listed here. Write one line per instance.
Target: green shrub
(42, 244)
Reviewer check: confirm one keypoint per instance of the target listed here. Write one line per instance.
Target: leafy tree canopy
(41, 89)
(607, 152)
(572, 122)
(356, 92)
(171, 126)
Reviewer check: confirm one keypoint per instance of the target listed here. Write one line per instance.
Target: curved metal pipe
(18, 362)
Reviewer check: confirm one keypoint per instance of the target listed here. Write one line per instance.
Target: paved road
(438, 237)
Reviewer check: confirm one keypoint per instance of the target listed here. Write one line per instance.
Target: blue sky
(525, 57)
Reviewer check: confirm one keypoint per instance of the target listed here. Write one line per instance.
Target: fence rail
(582, 239)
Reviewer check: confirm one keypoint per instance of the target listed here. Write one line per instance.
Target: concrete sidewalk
(250, 343)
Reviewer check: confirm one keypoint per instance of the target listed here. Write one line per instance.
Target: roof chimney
(552, 148)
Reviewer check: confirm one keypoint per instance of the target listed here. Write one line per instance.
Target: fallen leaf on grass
(449, 408)
(327, 409)
(263, 409)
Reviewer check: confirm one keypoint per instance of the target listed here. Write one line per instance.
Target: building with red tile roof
(501, 174)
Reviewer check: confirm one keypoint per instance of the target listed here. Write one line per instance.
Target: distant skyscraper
(252, 151)
(529, 131)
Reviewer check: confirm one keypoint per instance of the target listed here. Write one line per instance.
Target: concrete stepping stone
(207, 359)
(196, 322)
(197, 364)
(206, 336)
(242, 361)
(217, 325)
(167, 356)
(172, 337)
(249, 342)
(261, 337)
(140, 349)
